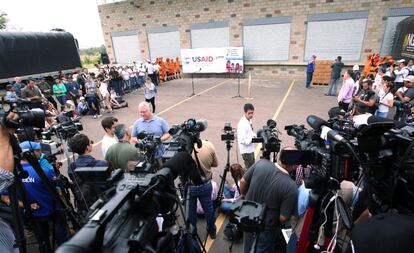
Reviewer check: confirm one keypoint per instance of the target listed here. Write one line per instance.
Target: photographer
(207, 159)
(245, 136)
(404, 94)
(270, 184)
(119, 154)
(43, 207)
(81, 145)
(400, 73)
(33, 94)
(366, 97)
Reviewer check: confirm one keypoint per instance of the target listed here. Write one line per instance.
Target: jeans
(60, 231)
(381, 114)
(152, 101)
(225, 206)
(309, 76)
(62, 100)
(248, 159)
(141, 81)
(93, 102)
(203, 194)
(291, 246)
(334, 86)
(7, 238)
(118, 87)
(266, 243)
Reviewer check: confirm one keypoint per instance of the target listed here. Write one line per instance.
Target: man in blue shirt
(72, 88)
(18, 86)
(82, 145)
(151, 124)
(43, 206)
(309, 71)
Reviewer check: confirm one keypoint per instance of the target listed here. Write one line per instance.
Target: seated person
(231, 194)
(114, 102)
(70, 107)
(10, 94)
(51, 108)
(81, 145)
(83, 108)
(366, 97)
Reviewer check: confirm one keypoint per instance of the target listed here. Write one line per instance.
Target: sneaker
(100, 115)
(94, 116)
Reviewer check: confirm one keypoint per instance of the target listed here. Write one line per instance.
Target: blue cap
(30, 145)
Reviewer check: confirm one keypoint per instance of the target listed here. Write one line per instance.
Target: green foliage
(3, 20)
(91, 56)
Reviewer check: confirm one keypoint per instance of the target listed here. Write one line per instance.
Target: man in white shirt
(400, 73)
(109, 139)
(245, 135)
(156, 68)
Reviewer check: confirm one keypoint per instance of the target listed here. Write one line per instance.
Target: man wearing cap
(309, 71)
(83, 108)
(356, 73)
(405, 94)
(400, 74)
(119, 154)
(33, 94)
(41, 200)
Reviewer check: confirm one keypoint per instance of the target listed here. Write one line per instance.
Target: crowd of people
(382, 94)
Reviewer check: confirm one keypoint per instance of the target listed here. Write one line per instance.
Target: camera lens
(34, 118)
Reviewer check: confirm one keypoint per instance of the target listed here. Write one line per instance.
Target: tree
(3, 20)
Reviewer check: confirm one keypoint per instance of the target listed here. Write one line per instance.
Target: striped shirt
(6, 179)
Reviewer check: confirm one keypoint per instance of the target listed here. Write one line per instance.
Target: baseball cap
(30, 145)
(409, 79)
(355, 67)
(401, 61)
(82, 98)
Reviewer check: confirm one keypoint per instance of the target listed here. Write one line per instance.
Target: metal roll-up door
(126, 47)
(266, 39)
(389, 34)
(331, 34)
(210, 35)
(164, 42)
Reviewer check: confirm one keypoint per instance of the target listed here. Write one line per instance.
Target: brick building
(278, 36)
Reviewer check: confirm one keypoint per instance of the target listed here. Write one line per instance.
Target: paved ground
(286, 101)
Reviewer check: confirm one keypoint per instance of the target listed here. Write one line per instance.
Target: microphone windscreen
(202, 124)
(315, 122)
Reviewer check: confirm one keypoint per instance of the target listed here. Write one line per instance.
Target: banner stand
(238, 86)
(192, 83)
(249, 91)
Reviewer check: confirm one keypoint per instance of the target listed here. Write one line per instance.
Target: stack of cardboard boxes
(322, 74)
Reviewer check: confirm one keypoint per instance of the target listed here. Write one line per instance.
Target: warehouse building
(278, 36)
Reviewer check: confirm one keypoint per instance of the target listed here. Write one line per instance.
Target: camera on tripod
(228, 133)
(269, 138)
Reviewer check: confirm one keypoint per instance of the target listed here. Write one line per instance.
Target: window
(126, 47)
(210, 35)
(164, 42)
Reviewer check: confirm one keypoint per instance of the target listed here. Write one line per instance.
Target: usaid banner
(212, 60)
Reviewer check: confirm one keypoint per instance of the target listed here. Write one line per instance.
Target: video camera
(269, 138)
(148, 145)
(228, 133)
(184, 137)
(23, 116)
(127, 221)
(323, 149)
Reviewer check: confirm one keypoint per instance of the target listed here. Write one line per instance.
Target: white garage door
(210, 35)
(164, 42)
(329, 38)
(266, 40)
(126, 47)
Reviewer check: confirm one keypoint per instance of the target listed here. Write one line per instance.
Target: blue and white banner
(212, 60)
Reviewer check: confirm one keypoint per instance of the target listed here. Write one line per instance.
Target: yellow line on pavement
(171, 107)
(278, 110)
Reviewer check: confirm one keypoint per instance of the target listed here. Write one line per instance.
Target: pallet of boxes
(322, 73)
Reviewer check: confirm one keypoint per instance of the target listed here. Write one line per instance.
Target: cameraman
(81, 145)
(7, 238)
(404, 94)
(33, 94)
(270, 184)
(207, 158)
(43, 207)
(366, 97)
(245, 135)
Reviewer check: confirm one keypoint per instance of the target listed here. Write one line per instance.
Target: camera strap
(202, 174)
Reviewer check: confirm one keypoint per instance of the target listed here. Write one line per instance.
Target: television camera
(269, 138)
(125, 219)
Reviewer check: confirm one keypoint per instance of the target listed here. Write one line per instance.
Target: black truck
(36, 54)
